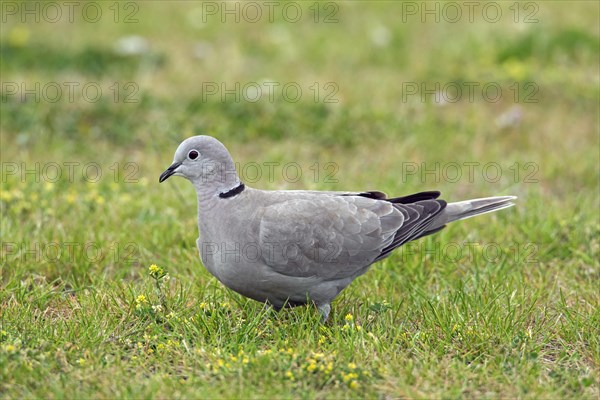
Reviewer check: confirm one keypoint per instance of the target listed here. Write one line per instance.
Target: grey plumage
(293, 247)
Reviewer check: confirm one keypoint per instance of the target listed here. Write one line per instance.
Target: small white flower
(157, 308)
(132, 46)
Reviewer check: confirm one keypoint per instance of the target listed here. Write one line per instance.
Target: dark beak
(170, 171)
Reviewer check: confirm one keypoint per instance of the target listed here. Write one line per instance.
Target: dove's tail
(470, 208)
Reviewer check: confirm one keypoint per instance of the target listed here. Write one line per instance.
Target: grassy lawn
(351, 96)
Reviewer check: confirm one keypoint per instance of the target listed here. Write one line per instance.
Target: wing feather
(337, 236)
(330, 237)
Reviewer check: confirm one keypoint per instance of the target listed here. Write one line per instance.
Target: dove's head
(205, 162)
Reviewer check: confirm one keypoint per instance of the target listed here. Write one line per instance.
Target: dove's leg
(324, 310)
(270, 306)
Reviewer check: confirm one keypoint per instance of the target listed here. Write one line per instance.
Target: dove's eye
(193, 154)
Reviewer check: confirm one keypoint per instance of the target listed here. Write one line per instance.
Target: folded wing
(339, 236)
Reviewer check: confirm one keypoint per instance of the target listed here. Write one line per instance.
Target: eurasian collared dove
(291, 247)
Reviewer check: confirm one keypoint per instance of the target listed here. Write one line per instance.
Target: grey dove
(293, 247)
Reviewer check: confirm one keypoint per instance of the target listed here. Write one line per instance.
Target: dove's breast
(232, 250)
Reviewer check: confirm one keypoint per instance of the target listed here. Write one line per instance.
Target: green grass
(514, 314)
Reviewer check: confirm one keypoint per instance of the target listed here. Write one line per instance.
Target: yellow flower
(352, 366)
(157, 272)
(71, 198)
(81, 362)
(10, 348)
(154, 268)
(311, 367)
(18, 36)
(349, 376)
(141, 299)
(349, 317)
(515, 69)
(289, 375)
(5, 195)
(354, 385)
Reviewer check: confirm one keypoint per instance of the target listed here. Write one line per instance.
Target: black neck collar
(233, 192)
